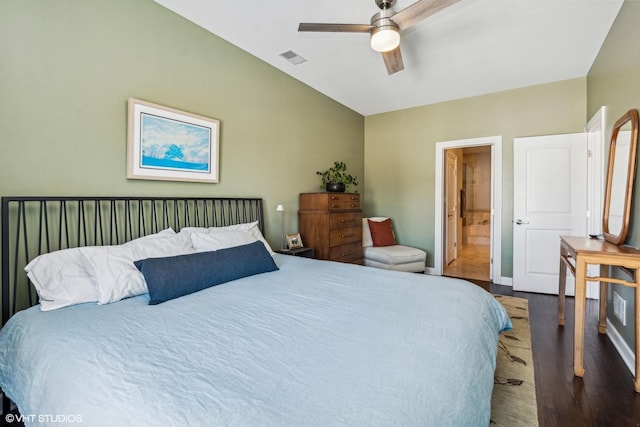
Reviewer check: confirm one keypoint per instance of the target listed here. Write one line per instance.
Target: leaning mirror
(620, 176)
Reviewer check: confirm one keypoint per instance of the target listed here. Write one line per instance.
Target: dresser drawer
(329, 201)
(350, 252)
(345, 220)
(342, 201)
(341, 236)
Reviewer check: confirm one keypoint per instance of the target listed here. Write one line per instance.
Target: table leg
(562, 285)
(602, 315)
(578, 327)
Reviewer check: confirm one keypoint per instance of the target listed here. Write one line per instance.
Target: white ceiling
(473, 47)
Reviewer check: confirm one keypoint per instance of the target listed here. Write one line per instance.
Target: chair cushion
(366, 233)
(410, 267)
(382, 233)
(394, 255)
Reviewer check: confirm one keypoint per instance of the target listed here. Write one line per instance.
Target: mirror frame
(632, 117)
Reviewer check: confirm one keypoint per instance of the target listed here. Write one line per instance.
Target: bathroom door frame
(495, 260)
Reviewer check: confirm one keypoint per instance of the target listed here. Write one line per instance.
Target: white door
(452, 206)
(549, 201)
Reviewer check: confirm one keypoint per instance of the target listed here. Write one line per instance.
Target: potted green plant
(336, 178)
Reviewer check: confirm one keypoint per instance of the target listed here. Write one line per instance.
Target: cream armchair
(385, 252)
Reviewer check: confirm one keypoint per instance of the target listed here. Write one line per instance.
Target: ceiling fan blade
(337, 28)
(393, 60)
(418, 11)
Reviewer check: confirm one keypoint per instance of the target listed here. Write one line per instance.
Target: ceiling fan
(385, 27)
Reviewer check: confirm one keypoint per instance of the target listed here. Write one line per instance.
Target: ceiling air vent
(293, 57)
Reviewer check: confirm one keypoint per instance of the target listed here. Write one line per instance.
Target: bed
(300, 342)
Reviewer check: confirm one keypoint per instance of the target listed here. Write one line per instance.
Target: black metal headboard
(35, 225)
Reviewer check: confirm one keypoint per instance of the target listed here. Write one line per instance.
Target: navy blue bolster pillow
(172, 277)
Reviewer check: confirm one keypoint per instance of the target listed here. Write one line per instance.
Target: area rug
(513, 402)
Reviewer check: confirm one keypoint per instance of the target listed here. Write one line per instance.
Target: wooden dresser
(331, 224)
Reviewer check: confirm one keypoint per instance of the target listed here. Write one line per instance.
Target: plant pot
(335, 188)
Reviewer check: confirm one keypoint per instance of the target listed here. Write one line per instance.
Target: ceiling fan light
(384, 39)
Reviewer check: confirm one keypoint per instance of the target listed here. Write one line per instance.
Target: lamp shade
(280, 208)
(385, 38)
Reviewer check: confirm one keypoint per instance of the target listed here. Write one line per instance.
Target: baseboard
(621, 345)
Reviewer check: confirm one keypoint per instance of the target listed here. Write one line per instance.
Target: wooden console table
(585, 251)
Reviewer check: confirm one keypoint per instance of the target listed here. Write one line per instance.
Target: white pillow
(254, 229)
(251, 227)
(367, 241)
(61, 278)
(220, 239)
(186, 232)
(116, 275)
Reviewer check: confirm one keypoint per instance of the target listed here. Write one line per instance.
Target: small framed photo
(294, 241)
(171, 145)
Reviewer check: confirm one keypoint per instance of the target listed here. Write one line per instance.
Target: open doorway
(468, 202)
(475, 201)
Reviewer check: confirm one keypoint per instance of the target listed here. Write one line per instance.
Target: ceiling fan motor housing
(383, 18)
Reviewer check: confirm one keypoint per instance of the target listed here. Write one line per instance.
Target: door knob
(520, 222)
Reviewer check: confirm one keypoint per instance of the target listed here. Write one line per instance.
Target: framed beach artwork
(171, 145)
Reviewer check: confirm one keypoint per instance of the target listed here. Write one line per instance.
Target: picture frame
(294, 241)
(171, 145)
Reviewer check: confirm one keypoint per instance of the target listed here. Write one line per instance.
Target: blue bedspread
(314, 344)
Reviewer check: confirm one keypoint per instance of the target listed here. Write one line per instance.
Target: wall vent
(293, 57)
(619, 308)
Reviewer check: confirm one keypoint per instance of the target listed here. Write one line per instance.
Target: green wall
(68, 67)
(400, 151)
(614, 81)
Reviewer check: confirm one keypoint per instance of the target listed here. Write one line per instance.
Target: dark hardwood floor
(604, 396)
